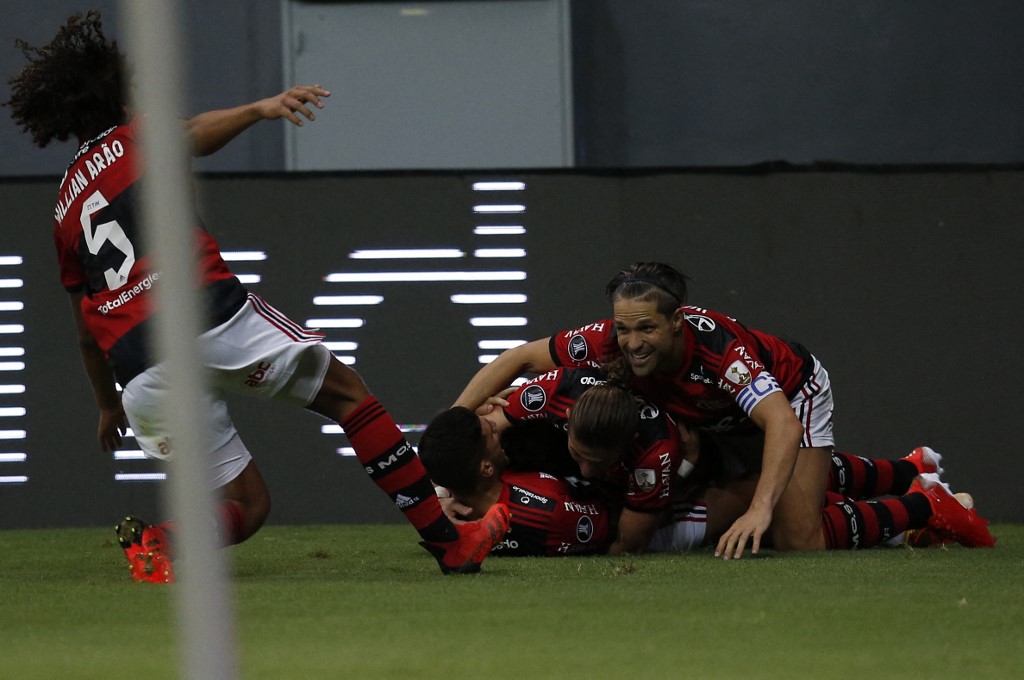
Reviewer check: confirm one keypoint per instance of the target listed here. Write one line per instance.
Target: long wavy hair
(73, 87)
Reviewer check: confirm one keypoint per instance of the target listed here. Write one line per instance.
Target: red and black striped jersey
(647, 473)
(552, 516)
(97, 234)
(727, 369)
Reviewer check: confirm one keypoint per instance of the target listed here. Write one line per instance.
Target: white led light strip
(247, 278)
(499, 186)
(341, 300)
(499, 230)
(11, 364)
(489, 298)
(405, 277)
(424, 274)
(503, 209)
(140, 476)
(497, 208)
(407, 254)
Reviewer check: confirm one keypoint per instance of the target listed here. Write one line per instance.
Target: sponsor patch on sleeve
(578, 349)
(533, 398)
(738, 374)
(645, 478)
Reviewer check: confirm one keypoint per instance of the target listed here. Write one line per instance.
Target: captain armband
(759, 388)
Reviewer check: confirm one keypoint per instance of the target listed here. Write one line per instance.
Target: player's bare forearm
(112, 421)
(210, 131)
(782, 432)
(636, 529)
(532, 357)
(101, 377)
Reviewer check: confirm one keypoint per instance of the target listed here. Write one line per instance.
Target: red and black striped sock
(859, 477)
(394, 466)
(851, 525)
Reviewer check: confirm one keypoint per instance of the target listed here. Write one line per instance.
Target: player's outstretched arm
(210, 131)
(532, 357)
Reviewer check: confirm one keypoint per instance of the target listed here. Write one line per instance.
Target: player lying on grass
(712, 373)
(76, 87)
(607, 439)
(553, 512)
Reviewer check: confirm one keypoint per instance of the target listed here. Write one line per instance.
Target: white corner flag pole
(205, 620)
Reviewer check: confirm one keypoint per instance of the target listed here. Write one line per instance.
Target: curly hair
(75, 86)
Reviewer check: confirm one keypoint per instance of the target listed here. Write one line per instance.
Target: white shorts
(258, 352)
(686, 532)
(813, 406)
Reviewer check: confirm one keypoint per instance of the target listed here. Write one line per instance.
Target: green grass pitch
(366, 602)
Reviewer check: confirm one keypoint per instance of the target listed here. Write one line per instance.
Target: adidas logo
(403, 501)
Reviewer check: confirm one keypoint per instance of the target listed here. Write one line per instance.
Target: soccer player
(555, 515)
(76, 87)
(551, 515)
(626, 442)
(711, 372)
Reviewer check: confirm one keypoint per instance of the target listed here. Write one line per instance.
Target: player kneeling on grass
(76, 87)
(711, 372)
(870, 501)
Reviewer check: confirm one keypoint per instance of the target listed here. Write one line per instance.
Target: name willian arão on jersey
(102, 157)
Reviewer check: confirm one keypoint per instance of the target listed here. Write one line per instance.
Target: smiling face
(650, 341)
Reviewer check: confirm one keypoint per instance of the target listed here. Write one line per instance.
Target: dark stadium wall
(906, 285)
(695, 83)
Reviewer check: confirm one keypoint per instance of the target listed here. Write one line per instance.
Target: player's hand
(750, 526)
(113, 424)
(293, 102)
(690, 443)
(456, 511)
(497, 401)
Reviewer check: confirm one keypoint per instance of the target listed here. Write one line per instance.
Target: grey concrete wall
(657, 83)
(906, 285)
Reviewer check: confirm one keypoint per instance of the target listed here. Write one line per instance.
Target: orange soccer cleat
(467, 553)
(953, 517)
(147, 548)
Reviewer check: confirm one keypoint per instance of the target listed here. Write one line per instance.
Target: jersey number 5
(107, 232)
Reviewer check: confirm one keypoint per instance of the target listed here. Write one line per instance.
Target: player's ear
(486, 469)
(677, 319)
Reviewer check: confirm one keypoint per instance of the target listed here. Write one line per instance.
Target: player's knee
(343, 383)
(257, 512)
(342, 390)
(802, 537)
